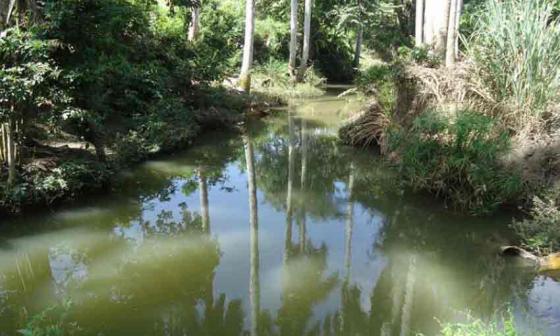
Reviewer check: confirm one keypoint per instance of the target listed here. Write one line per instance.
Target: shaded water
(280, 232)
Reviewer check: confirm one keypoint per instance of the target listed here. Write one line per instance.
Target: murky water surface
(280, 232)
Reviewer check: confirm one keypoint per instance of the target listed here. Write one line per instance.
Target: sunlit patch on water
(328, 245)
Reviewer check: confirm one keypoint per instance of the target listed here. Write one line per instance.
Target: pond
(281, 231)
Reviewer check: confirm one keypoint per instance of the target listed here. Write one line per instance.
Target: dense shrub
(457, 157)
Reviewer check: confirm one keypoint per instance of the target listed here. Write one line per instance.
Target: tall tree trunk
(358, 50)
(203, 196)
(435, 22)
(254, 285)
(419, 27)
(451, 34)
(428, 31)
(306, 39)
(292, 66)
(441, 42)
(458, 12)
(245, 77)
(194, 26)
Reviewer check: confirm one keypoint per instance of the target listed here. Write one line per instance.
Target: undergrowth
(272, 80)
(505, 326)
(457, 158)
(540, 232)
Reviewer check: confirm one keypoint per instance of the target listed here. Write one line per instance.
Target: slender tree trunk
(10, 11)
(245, 77)
(303, 224)
(419, 27)
(11, 152)
(3, 156)
(203, 195)
(358, 50)
(292, 66)
(349, 226)
(194, 26)
(451, 35)
(306, 39)
(254, 285)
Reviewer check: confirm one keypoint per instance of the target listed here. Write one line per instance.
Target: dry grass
(367, 128)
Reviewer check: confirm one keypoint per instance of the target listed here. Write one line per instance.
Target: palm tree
(254, 284)
(302, 226)
(203, 190)
(453, 32)
(289, 194)
(306, 39)
(419, 27)
(292, 66)
(245, 76)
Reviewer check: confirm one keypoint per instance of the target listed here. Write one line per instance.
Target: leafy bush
(541, 232)
(458, 159)
(516, 47)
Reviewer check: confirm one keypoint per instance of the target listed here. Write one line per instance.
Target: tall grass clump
(456, 157)
(516, 50)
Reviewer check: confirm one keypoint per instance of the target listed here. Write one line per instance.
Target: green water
(279, 232)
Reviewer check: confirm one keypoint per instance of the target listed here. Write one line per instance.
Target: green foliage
(28, 76)
(271, 40)
(476, 327)
(393, 28)
(541, 231)
(53, 321)
(167, 126)
(380, 80)
(516, 47)
(458, 159)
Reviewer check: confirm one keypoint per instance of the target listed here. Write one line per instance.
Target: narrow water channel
(280, 232)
